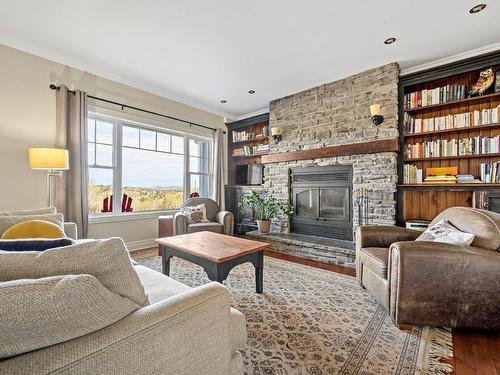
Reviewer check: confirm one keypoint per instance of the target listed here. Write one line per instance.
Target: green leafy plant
(265, 209)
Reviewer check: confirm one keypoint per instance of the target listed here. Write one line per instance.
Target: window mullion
(117, 167)
(187, 175)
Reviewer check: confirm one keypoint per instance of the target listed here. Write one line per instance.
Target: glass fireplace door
(334, 203)
(306, 203)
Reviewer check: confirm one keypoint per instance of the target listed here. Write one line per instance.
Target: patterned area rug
(311, 321)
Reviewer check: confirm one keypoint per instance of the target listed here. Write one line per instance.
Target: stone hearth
(316, 248)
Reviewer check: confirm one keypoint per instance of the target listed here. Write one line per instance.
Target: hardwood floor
(475, 352)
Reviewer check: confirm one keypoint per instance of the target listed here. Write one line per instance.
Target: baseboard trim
(141, 244)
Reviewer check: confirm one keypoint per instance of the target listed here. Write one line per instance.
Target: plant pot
(264, 226)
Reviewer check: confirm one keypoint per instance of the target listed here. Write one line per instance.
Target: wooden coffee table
(218, 254)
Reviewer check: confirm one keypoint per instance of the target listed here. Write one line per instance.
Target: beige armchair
(431, 283)
(219, 221)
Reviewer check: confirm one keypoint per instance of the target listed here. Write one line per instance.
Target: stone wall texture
(338, 113)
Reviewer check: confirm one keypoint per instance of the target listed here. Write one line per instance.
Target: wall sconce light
(276, 134)
(377, 118)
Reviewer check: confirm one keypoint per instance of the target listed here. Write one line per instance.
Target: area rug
(312, 321)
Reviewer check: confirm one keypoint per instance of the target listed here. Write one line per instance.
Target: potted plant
(265, 210)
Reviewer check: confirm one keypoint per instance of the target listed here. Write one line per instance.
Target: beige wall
(27, 119)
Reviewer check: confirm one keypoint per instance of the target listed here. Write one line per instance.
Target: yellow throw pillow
(33, 229)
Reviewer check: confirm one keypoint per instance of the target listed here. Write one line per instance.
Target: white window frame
(118, 124)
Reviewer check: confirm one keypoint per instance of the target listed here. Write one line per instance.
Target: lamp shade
(48, 158)
(375, 109)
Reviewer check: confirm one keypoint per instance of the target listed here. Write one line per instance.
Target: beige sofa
(183, 331)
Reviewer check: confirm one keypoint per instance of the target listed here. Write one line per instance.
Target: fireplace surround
(322, 200)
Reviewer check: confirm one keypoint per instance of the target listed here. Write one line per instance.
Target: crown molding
(451, 59)
(248, 115)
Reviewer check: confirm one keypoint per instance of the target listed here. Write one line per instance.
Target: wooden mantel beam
(371, 147)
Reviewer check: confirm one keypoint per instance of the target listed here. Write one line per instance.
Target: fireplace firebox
(322, 199)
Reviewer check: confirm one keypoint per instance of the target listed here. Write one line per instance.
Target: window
(150, 169)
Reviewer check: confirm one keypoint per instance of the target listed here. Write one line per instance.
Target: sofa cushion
(107, 260)
(376, 259)
(33, 229)
(36, 211)
(8, 221)
(37, 313)
(237, 330)
(158, 286)
(442, 231)
(34, 244)
(195, 214)
(200, 227)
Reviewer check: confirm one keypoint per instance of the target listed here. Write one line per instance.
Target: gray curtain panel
(218, 165)
(71, 133)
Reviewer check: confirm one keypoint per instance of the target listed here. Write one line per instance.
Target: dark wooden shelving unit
(424, 201)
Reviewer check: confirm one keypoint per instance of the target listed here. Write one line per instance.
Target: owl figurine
(486, 78)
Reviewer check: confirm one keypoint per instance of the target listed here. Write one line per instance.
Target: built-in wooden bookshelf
(424, 200)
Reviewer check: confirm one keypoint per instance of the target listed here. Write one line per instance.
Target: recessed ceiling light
(477, 8)
(389, 40)
(223, 101)
(251, 91)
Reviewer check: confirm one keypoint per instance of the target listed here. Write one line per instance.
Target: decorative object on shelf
(497, 81)
(377, 118)
(486, 78)
(363, 201)
(53, 160)
(276, 134)
(265, 209)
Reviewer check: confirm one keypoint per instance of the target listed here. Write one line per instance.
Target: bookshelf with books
(442, 127)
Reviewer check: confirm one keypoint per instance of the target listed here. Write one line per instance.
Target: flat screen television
(249, 174)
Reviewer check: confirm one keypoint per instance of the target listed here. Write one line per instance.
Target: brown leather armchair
(432, 283)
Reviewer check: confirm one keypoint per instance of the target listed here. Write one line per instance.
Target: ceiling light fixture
(389, 40)
(477, 8)
(251, 91)
(223, 101)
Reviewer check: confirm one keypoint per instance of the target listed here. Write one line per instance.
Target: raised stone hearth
(316, 248)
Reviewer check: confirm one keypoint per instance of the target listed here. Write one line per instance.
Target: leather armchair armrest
(383, 235)
(226, 218)
(440, 284)
(180, 224)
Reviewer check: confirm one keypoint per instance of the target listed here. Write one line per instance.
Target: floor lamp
(53, 160)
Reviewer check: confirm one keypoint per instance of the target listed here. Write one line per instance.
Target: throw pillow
(196, 214)
(34, 244)
(443, 231)
(37, 313)
(8, 221)
(36, 211)
(33, 229)
(107, 260)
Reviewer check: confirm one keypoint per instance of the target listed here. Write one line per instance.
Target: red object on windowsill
(194, 195)
(107, 204)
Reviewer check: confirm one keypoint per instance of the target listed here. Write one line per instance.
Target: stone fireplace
(335, 114)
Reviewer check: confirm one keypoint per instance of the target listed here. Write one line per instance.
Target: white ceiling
(201, 51)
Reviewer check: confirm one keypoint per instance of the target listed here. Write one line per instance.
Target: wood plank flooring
(475, 352)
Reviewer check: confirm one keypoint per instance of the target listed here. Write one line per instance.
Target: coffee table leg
(259, 272)
(165, 260)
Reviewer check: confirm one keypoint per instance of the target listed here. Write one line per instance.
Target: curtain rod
(56, 88)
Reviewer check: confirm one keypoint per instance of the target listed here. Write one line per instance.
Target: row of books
(249, 136)
(438, 95)
(490, 172)
(412, 174)
(251, 150)
(454, 147)
(461, 120)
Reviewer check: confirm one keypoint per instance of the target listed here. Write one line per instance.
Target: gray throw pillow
(107, 260)
(37, 313)
(9, 220)
(443, 231)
